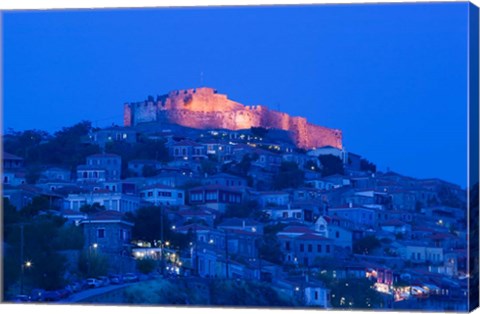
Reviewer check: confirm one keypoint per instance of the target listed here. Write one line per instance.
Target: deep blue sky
(393, 77)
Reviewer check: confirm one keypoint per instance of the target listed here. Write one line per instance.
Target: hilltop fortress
(204, 108)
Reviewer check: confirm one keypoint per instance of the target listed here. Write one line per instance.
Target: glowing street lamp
(26, 264)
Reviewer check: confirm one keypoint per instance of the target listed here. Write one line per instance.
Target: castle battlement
(205, 108)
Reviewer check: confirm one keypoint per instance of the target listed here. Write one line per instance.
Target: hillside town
(321, 226)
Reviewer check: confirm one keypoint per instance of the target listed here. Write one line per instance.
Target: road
(82, 295)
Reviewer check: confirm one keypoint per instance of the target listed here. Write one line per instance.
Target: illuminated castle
(204, 108)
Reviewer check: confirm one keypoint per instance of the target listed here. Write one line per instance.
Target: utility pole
(196, 249)
(89, 249)
(257, 244)
(23, 264)
(162, 245)
(21, 259)
(226, 253)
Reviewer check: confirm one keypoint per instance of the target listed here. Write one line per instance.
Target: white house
(285, 213)
(13, 171)
(418, 252)
(273, 198)
(73, 217)
(316, 295)
(308, 291)
(90, 173)
(341, 236)
(329, 150)
(396, 226)
(111, 200)
(358, 215)
(321, 184)
(337, 180)
(55, 174)
(160, 194)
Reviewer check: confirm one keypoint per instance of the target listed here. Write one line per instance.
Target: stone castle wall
(204, 108)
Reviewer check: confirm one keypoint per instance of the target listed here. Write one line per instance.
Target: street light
(26, 264)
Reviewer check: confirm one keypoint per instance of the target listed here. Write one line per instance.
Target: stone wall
(127, 115)
(204, 108)
(198, 99)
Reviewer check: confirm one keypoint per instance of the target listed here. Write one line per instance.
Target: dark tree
(146, 265)
(259, 131)
(244, 165)
(48, 266)
(152, 149)
(208, 166)
(33, 174)
(70, 237)
(274, 229)
(270, 249)
(24, 144)
(67, 147)
(244, 210)
(331, 165)
(289, 176)
(10, 213)
(354, 294)
(149, 171)
(144, 149)
(38, 204)
(70, 146)
(418, 206)
(150, 224)
(366, 245)
(366, 165)
(312, 166)
(92, 208)
(93, 263)
(447, 197)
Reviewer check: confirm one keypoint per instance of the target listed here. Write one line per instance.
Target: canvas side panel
(473, 165)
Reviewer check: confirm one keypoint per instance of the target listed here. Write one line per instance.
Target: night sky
(393, 77)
